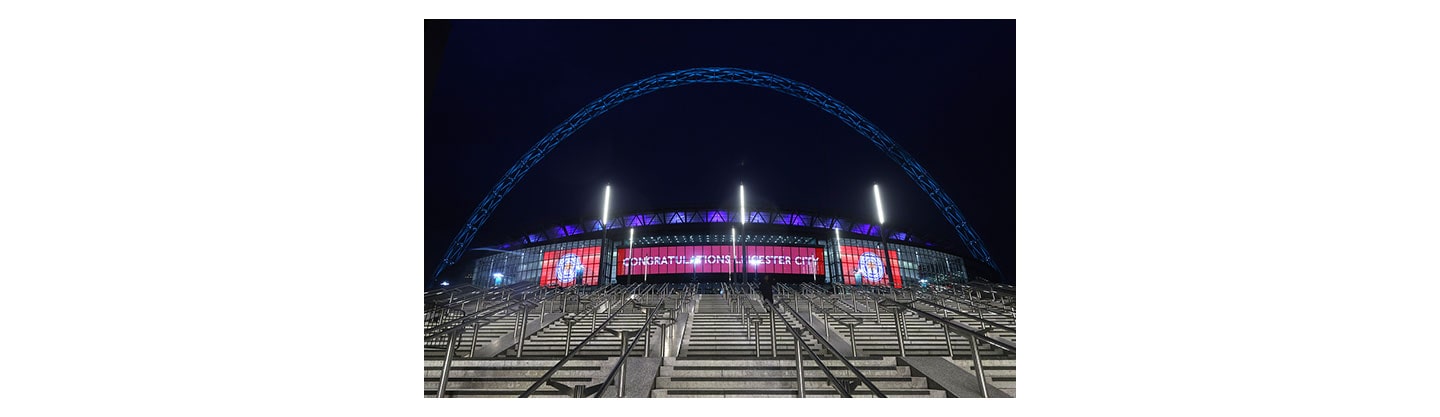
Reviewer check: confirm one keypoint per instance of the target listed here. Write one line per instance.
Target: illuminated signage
(863, 266)
(564, 268)
(720, 259)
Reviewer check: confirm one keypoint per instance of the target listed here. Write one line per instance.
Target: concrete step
(665, 382)
(740, 362)
(513, 362)
(498, 383)
(790, 393)
(531, 374)
(544, 392)
(776, 372)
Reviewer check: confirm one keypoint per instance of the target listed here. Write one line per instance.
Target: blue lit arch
(716, 76)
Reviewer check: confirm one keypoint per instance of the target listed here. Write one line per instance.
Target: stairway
(718, 359)
(717, 355)
(508, 378)
(716, 331)
(475, 338)
(772, 377)
(550, 341)
(927, 338)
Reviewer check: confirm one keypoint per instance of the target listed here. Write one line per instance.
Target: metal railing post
(948, 346)
(904, 325)
(773, 342)
(899, 338)
(474, 334)
(621, 383)
(445, 368)
(755, 322)
(569, 328)
(800, 371)
(979, 369)
(520, 345)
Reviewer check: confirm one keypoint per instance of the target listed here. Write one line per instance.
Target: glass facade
(917, 267)
(532, 265)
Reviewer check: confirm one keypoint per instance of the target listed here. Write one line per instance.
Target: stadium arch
(715, 75)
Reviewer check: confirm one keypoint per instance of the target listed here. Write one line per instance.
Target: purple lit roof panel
(717, 216)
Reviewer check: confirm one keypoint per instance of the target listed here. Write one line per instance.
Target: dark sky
(944, 90)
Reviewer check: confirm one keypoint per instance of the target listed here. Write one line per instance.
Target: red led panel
(719, 259)
(564, 268)
(864, 265)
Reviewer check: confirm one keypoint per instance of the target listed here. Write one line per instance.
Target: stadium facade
(708, 245)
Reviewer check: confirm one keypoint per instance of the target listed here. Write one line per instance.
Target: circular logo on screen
(568, 269)
(871, 269)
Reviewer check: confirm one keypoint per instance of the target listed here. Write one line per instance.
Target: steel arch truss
(715, 76)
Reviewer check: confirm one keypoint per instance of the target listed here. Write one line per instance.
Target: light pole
(744, 249)
(731, 277)
(604, 232)
(839, 260)
(884, 240)
(632, 252)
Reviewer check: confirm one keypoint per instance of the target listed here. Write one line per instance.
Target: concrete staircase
(717, 354)
(508, 378)
(927, 338)
(550, 341)
(718, 359)
(476, 338)
(770, 377)
(716, 331)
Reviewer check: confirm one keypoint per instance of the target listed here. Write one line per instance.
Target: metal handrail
(826, 343)
(949, 295)
(812, 298)
(624, 356)
(471, 318)
(838, 301)
(993, 325)
(854, 344)
(974, 335)
(550, 373)
(447, 326)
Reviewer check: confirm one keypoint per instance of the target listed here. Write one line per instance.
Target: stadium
(689, 292)
(718, 303)
(706, 245)
(660, 304)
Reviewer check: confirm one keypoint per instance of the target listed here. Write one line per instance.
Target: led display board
(567, 267)
(863, 266)
(721, 259)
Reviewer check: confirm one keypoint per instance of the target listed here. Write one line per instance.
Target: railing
(844, 388)
(580, 391)
(544, 379)
(453, 331)
(850, 321)
(987, 325)
(976, 336)
(963, 296)
(620, 363)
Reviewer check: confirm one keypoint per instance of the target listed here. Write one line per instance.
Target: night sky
(943, 90)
